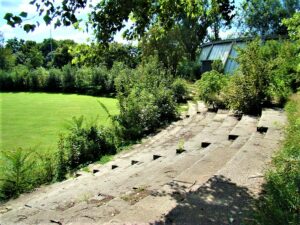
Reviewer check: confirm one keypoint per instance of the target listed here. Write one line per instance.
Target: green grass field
(36, 119)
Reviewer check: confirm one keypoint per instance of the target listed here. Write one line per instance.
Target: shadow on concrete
(218, 201)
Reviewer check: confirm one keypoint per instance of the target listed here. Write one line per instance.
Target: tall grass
(281, 202)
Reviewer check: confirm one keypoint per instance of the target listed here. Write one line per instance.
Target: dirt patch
(137, 195)
(100, 199)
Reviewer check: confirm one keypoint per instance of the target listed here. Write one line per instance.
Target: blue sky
(43, 31)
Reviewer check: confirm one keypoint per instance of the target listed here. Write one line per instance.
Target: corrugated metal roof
(220, 51)
(231, 65)
(225, 51)
(204, 52)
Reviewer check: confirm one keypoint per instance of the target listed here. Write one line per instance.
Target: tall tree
(7, 59)
(110, 16)
(48, 46)
(30, 55)
(62, 56)
(15, 44)
(264, 17)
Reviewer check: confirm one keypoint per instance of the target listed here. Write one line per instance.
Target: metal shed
(224, 50)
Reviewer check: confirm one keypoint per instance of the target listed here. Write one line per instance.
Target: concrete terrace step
(249, 163)
(150, 181)
(176, 126)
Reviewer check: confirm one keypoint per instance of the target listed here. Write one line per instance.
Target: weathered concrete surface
(213, 182)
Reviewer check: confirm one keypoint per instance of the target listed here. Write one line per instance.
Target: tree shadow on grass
(218, 201)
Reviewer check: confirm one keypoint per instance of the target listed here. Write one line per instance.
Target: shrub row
(267, 75)
(69, 79)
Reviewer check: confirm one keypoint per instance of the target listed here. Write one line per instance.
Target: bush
(241, 95)
(248, 88)
(54, 81)
(166, 104)
(138, 114)
(218, 66)
(210, 86)
(6, 81)
(20, 78)
(37, 79)
(99, 77)
(281, 200)
(180, 90)
(103, 79)
(46, 164)
(68, 79)
(81, 146)
(267, 75)
(17, 172)
(145, 99)
(189, 70)
(284, 77)
(21, 170)
(83, 80)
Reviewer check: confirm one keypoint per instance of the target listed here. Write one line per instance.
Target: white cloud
(26, 7)
(230, 33)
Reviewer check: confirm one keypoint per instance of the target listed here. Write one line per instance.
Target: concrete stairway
(152, 183)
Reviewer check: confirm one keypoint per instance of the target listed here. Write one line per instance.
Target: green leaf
(29, 27)
(17, 19)
(47, 19)
(23, 14)
(57, 23)
(8, 16)
(10, 23)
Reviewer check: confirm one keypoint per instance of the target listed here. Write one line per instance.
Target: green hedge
(280, 203)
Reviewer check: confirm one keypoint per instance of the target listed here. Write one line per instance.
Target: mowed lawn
(36, 119)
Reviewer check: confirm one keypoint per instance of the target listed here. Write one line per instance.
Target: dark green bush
(54, 81)
(280, 203)
(37, 79)
(138, 114)
(267, 75)
(145, 99)
(99, 77)
(6, 81)
(81, 146)
(210, 86)
(68, 80)
(180, 90)
(103, 80)
(284, 77)
(189, 70)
